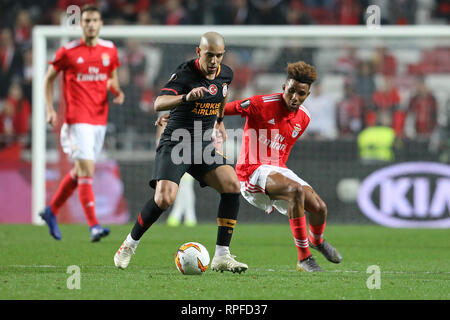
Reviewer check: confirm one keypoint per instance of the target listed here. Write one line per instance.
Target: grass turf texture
(414, 264)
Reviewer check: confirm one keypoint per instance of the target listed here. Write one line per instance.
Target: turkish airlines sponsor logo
(408, 195)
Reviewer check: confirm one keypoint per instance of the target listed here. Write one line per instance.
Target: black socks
(148, 215)
(226, 217)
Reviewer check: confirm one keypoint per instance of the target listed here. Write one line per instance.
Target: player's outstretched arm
(50, 77)
(168, 102)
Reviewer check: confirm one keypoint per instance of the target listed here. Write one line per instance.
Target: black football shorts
(166, 169)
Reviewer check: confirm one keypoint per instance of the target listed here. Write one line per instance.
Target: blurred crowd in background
(380, 88)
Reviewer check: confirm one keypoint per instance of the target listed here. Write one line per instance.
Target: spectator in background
(387, 101)
(348, 12)
(175, 14)
(323, 114)
(423, 107)
(234, 12)
(22, 29)
(243, 73)
(134, 58)
(297, 14)
(376, 142)
(292, 51)
(10, 61)
(348, 63)
(320, 11)
(365, 82)
(442, 10)
(350, 112)
(15, 116)
(403, 12)
(27, 72)
(384, 62)
(129, 9)
(267, 12)
(129, 119)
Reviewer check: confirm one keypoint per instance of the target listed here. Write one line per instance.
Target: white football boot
(227, 263)
(123, 255)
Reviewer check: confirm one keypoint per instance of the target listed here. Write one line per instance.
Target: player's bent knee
(164, 199)
(232, 187)
(295, 192)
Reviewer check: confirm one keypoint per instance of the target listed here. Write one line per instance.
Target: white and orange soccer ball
(192, 258)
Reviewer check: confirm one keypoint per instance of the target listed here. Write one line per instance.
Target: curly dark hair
(301, 72)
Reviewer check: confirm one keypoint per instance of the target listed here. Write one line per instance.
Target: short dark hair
(301, 72)
(90, 8)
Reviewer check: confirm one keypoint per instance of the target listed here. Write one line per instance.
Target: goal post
(252, 35)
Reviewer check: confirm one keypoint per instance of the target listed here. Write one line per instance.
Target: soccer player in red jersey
(89, 66)
(273, 124)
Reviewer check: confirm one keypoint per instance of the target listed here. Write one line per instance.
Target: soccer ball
(192, 258)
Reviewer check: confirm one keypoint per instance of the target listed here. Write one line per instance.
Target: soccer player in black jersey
(196, 95)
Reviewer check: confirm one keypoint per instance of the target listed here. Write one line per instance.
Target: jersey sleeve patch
(245, 104)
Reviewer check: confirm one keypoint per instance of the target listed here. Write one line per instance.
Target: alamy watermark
(374, 280)
(74, 280)
(373, 17)
(197, 146)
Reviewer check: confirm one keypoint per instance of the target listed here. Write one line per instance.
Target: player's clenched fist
(196, 93)
(52, 117)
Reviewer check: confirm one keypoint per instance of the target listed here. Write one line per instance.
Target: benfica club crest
(297, 129)
(105, 59)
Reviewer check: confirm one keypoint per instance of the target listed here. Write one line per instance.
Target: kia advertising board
(408, 195)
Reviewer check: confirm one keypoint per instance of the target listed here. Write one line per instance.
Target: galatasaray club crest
(212, 89)
(224, 90)
(297, 129)
(105, 59)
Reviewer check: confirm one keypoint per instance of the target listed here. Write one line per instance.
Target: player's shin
(300, 233)
(226, 220)
(148, 215)
(316, 233)
(66, 188)
(87, 199)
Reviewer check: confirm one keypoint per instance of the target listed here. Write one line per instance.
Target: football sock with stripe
(316, 234)
(226, 220)
(148, 215)
(300, 233)
(65, 189)
(87, 199)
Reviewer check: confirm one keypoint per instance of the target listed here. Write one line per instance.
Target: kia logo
(411, 195)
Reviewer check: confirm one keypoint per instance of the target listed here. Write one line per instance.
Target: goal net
(366, 77)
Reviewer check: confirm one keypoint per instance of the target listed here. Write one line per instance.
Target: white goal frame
(42, 33)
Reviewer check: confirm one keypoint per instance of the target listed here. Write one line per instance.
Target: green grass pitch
(413, 264)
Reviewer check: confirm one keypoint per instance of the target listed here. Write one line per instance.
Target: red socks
(87, 199)
(66, 188)
(300, 233)
(316, 234)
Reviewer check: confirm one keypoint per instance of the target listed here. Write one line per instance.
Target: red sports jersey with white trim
(86, 72)
(270, 131)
